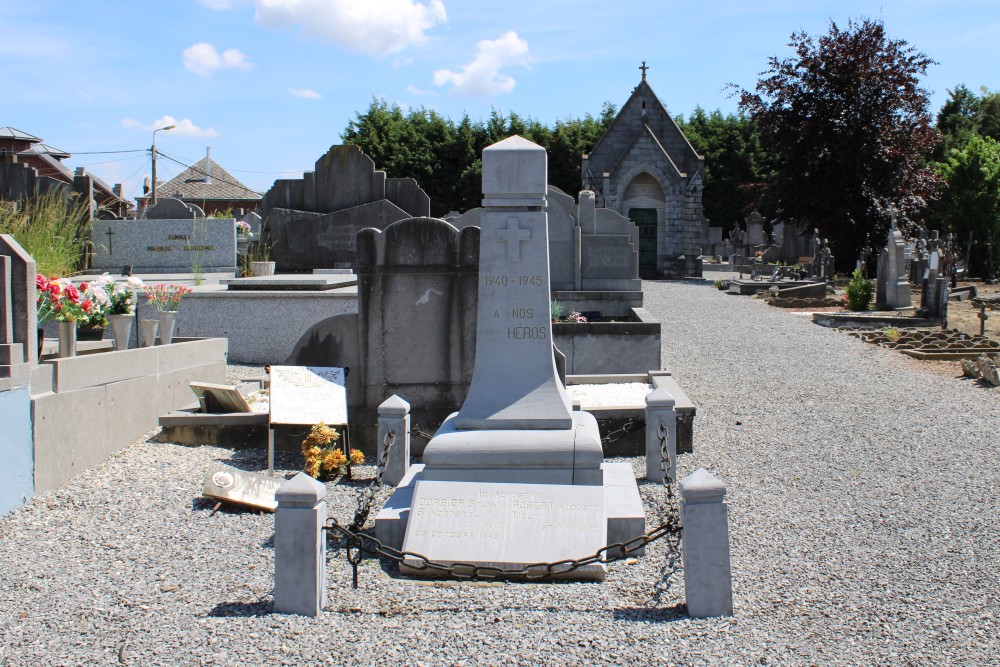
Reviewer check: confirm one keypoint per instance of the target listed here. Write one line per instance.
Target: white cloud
(184, 127)
(482, 76)
(305, 93)
(413, 90)
(373, 27)
(203, 59)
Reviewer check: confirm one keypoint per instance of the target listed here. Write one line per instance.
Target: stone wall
(87, 408)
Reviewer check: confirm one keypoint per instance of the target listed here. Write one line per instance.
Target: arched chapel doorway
(645, 205)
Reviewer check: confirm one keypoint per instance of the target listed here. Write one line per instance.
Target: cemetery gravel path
(863, 515)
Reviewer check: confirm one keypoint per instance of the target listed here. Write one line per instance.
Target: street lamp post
(153, 152)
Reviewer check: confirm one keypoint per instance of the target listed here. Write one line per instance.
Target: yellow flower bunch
(323, 458)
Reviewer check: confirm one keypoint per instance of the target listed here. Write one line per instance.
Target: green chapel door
(645, 220)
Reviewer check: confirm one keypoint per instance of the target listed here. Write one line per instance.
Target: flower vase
(149, 328)
(67, 339)
(121, 329)
(262, 268)
(167, 320)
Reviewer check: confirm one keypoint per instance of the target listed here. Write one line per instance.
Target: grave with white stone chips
(516, 476)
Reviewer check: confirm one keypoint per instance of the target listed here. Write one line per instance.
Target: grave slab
(506, 525)
(625, 515)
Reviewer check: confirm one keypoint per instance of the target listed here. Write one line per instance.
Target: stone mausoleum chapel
(644, 168)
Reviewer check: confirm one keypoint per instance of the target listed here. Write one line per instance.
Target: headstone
(168, 208)
(755, 229)
(21, 306)
(893, 286)
(6, 315)
(308, 395)
(417, 308)
(590, 249)
(254, 221)
(506, 525)
(312, 222)
(165, 245)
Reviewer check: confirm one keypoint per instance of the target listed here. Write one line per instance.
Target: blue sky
(270, 84)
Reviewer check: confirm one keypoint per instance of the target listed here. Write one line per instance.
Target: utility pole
(153, 152)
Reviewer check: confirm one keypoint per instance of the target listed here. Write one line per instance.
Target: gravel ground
(863, 496)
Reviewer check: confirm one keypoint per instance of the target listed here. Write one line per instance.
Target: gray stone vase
(121, 329)
(167, 320)
(67, 339)
(149, 328)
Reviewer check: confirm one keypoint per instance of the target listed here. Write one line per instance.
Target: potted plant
(57, 299)
(257, 261)
(92, 325)
(166, 299)
(121, 302)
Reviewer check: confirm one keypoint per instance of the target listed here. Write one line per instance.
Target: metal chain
(357, 543)
(361, 542)
(668, 482)
(620, 433)
(367, 496)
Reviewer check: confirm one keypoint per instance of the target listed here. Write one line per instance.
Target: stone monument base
(545, 456)
(625, 515)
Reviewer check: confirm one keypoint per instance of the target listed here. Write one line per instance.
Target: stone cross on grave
(644, 68)
(513, 235)
(111, 243)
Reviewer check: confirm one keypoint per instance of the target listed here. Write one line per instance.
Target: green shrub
(860, 292)
(52, 228)
(721, 284)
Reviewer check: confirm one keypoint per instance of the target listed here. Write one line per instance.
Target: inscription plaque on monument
(506, 525)
(308, 395)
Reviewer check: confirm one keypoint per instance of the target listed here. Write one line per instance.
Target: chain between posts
(357, 543)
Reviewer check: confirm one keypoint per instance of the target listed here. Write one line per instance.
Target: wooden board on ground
(242, 488)
(220, 398)
(307, 395)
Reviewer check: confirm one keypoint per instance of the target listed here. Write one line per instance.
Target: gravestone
(312, 222)
(893, 286)
(755, 229)
(254, 221)
(23, 331)
(169, 208)
(165, 245)
(590, 248)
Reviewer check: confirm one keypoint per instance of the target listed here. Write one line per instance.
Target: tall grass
(53, 228)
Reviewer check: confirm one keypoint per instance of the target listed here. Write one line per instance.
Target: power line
(208, 175)
(137, 150)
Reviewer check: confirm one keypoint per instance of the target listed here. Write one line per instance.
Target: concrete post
(660, 409)
(708, 579)
(394, 415)
(300, 547)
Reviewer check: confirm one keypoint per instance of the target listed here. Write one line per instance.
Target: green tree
(850, 123)
(970, 201)
(444, 158)
(737, 164)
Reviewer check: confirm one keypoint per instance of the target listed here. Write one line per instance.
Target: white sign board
(506, 525)
(308, 395)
